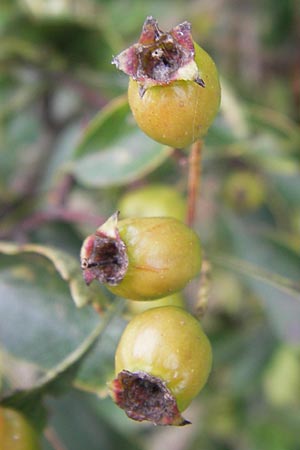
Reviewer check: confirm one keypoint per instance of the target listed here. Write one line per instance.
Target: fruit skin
(141, 258)
(167, 343)
(136, 307)
(16, 433)
(155, 200)
(163, 254)
(181, 112)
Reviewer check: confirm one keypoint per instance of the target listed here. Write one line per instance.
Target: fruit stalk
(194, 180)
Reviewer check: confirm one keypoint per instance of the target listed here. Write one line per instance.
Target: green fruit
(174, 91)
(142, 258)
(244, 191)
(136, 307)
(181, 112)
(16, 433)
(226, 292)
(156, 200)
(281, 380)
(162, 362)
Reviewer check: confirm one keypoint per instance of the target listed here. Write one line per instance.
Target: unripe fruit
(162, 362)
(156, 200)
(281, 381)
(244, 191)
(136, 307)
(16, 433)
(142, 258)
(180, 113)
(174, 90)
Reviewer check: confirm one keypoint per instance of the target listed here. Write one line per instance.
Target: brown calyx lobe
(158, 55)
(106, 261)
(145, 397)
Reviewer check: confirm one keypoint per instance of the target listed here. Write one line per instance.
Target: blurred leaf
(288, 185)
(272, 120)
(21, 97)
(19, 144)
(114, 150)
(272, 272)
(279, 282)
(245, 355)
(106, 127)
(233, 111)
(274, 430)
(220, 136)
(11, 46)
(56, 42)
(272, 154)
(87, 429)
(124, 162)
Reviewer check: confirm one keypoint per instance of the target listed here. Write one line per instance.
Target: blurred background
(66, 161)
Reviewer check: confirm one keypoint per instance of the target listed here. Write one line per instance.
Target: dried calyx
(159, 58)
(103, 255)
(145, 397)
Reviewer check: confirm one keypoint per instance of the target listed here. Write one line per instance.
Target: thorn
(185, 422)
(142, 90)
(200, 82)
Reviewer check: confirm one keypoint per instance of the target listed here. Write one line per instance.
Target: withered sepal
(159, 57)
(103, 255)
(144, 397)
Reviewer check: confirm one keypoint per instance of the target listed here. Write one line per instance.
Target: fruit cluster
(163, 358)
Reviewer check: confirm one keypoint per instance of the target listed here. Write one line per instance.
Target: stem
(194, 179)
(60, 195)
(41, 218)
(53, 439)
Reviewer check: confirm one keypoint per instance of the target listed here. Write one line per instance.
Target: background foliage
(69, 150)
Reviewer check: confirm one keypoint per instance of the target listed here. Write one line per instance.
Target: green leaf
(98, 367)
(275, 121)
(246, 353)
(271, 270)
(283, 284)
(110, 123)
(113, 151)
(56, 381)
(14, 46)
(131, 158)
(233, 111)
(38, 321)
(288, 186)
(66, 265)
(88, 428)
